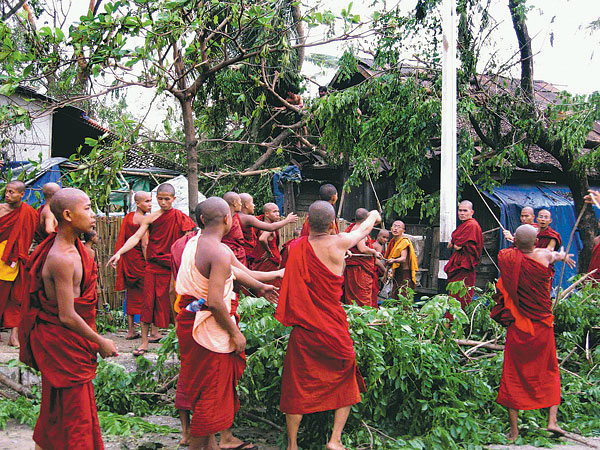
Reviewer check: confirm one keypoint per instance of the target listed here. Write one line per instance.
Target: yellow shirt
(7, 273)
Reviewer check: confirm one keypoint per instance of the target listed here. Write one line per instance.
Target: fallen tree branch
(478, 344)
(249, 415)
(17, 387)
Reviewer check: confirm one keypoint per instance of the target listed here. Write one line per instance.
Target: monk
(18, 222)
(47, 222)
(266, 255)
(58, 329)
(530, 373)
(467, 243)
(319, 372)
(132, 266)
(164, 227)
(527, 218)
(327, 193)
(210, 343)
(358, 274)
(402, 259)
(380, 243)
(547, 237)
(235, 238)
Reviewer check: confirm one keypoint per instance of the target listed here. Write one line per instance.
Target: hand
(508, 236)
(568, 259)
(593, 197)
(450, 245)
(456, 247)
(280, 273)
(291, 218)
(378, 255)
(114, 259)
(377, 215)
(269, 292)
(108, 348)
(239, 342)
(348, 254)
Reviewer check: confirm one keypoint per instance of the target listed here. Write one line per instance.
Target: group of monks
(173, 272)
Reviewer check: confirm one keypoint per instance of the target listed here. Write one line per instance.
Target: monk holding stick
(58, 329)
(530, 374)
(527, 218)
(320, 371)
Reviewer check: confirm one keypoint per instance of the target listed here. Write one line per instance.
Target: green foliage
(129, 425)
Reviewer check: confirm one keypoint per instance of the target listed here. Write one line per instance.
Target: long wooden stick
(562, 271)
(470, 343)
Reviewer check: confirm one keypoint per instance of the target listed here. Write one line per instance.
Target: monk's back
(328, 251)
(210, 252)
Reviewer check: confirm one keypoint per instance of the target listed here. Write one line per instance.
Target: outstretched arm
(563, 256)
(131, 242)
(349, 240)
(251, 221)
(263, 277)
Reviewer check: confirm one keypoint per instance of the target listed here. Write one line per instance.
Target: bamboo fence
(108, 230)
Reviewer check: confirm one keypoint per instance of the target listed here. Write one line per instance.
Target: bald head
(398, 228)
(465, 210)
(525, 237)
(17, 185)
(166, 188)
(361, 215)
(212, 211)
(140, 196)
(527, 215)
(48, 190)
(270, 207)
(67, 201)
(320, 216)
(328, 193)
(544, 219)
(383, 234)
(245, 198)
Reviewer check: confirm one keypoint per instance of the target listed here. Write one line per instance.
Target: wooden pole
(448, 156)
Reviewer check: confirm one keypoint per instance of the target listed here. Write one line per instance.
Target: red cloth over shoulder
(164, 231)
(235, 239)
(132, 265)
(250, 237)
(545, 236)
(358, 276)
(468, 235)
(259, 255)
(65, 358)
(17, 229)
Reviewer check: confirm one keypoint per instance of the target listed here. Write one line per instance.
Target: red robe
(285, 252)
(545, 236)
(530, 374)
(209, 379)
(131, 267)
(235, 239)
(68, 417)
(358, 276)
(306, 227)
(182, 399)
(319, 372)
(263, 263)
(250, 240)
(164, 231)
(17, 229)
(40, 229)
(595, 263)
(462, 263)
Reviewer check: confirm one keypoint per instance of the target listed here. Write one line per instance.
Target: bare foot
(556, 430)
(512, 437)
(13, 342)
(184, 441)
(335, 446)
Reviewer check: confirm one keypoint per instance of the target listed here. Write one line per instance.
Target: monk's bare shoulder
(150, 218)
(542, 255)
(4, 209)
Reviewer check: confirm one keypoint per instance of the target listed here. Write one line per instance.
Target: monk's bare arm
(263, 277)
(251, 221)
(401, 259)
(132, 241)
(562, 256)
(349, 240)
(144, 244)
(220, 269)
(49, 221)
(363, 248)
(551, 245)
(263, 240)
(62, 277)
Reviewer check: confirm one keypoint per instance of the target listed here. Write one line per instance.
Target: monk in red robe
(530, 374)
(319, 371)
(327, 193)
(285, 248)
(467, 243)
(527, 218)
(235, 238)
(165, 226)
(360, 267)
(58, 329)
(401, 258)
(18, 222)
(547, 237)
(47, 222)
(266, 255)
(210, 343)
(132, 266)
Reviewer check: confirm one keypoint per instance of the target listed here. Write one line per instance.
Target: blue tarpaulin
(290, 173)
(555, 198)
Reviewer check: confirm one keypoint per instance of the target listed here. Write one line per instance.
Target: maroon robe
(17, 229)
(68, 417)
(319, 371)
(530, 374)
(131, 267)
(164, 231)
(595, 263)
(250, 240)
(358, 276)
(462, 263)
(235, 239)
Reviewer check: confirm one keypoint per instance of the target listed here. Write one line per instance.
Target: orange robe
(319, 372)
(235, 239)
(462, 263)
(358, 277)
(530, 374)
(131, 267)
(164, 231)
(68, 417)
(16, 231)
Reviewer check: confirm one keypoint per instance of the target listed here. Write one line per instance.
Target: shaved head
(525, 237)
(327, 192)
(49, 189)
(544, 212)
(140, 196)
(232, 197)
(320, 216)
(527, 210)
(17, 185)
(66, 199)
(361, 215)
(383, 234)
(465, 210)
(245, 198)
(212, 211)
(527, 215)
(269, 207)
(166, 188)
(466, 204)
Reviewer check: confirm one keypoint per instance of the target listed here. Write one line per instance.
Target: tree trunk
(517, 13)
(299, 26)
(191, 151)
